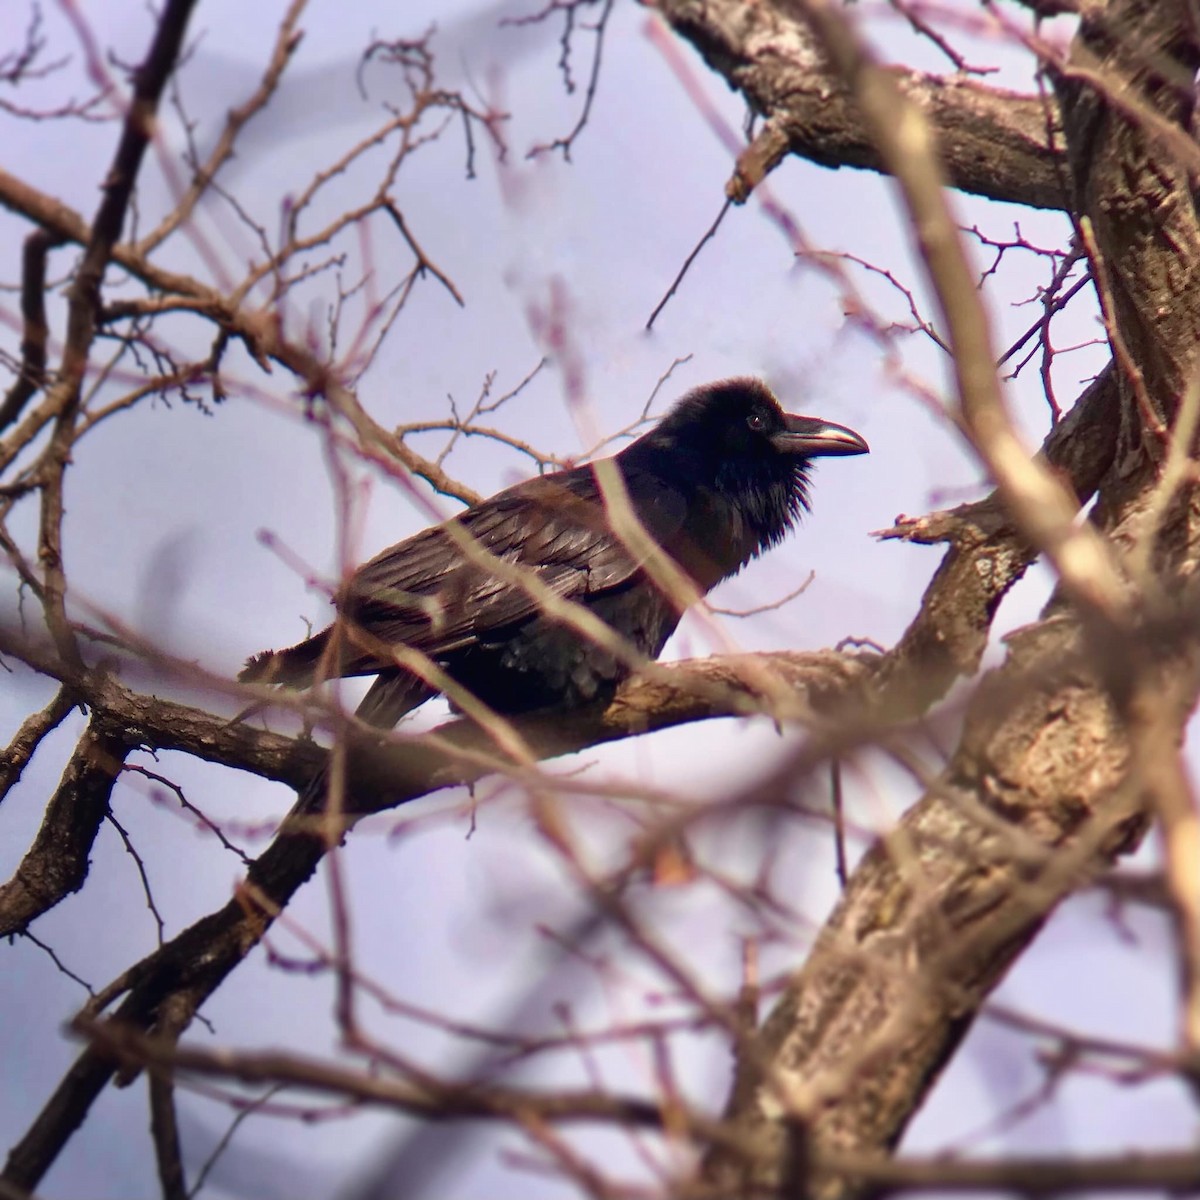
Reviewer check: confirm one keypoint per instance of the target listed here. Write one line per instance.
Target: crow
(474, 605)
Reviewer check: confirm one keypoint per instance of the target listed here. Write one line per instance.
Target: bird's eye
(757, 422)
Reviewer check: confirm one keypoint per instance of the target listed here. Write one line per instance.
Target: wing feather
(439, 592)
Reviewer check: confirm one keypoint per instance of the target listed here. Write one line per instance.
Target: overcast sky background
(166, 505)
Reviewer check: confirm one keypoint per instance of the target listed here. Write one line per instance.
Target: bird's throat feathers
(745, 493)
(768, 504)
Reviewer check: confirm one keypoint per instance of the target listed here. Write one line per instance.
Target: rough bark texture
(57, 862)
(1031, 807)
(1038, 796)
(183, 973)
(993, 142)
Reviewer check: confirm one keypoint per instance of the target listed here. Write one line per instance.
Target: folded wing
(483, 573)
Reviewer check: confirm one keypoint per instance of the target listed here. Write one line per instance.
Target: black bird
(719, 480)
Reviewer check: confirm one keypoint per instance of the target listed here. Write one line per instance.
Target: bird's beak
(813, 437)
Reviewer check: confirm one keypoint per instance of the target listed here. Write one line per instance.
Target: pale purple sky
(166, 505)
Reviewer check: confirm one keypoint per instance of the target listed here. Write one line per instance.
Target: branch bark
(993, 142)
(938, 910)
(57, 862)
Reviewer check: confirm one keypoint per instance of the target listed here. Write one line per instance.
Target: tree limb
(992, 142)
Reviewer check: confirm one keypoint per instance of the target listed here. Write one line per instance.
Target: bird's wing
(442, 590)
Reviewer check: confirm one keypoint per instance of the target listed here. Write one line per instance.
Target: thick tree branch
(57, 862)
(1130, 73)
(1136, 197)
(185, 971)
(992, 142)
(987, 553)
(937, 911)
(17, 754)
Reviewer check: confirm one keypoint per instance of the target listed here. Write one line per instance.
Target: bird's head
(734, 438)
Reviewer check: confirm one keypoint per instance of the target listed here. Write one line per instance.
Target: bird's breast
(714, 543)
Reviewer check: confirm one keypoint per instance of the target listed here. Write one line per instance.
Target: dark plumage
(720, 479)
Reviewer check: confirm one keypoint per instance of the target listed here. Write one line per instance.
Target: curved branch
(993, 142)
(939, 909)
(185, 971)
(57, 863)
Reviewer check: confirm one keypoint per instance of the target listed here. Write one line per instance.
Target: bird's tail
(294, 667)
(393, 695)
